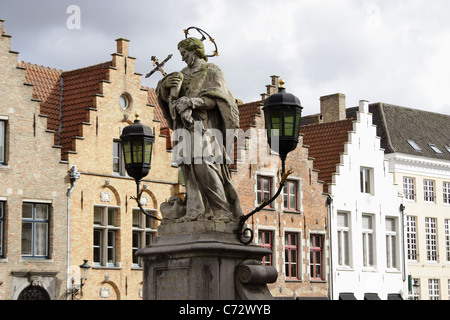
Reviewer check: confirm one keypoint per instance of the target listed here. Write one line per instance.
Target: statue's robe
(210, 193)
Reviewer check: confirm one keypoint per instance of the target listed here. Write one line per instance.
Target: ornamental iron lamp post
(137, 142)
(282, 113)
(84, 274)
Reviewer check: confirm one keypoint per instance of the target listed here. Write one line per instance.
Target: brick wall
(94, 159)
(32, 173)
(311, 216)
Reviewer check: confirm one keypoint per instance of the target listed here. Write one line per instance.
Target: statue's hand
(182, 104)
(172, 80)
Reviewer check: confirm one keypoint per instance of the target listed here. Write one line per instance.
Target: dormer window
(435, 148)
(414, 145)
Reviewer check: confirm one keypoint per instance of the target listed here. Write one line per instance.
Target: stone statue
(198, 98)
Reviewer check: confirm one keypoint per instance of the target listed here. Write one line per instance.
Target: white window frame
(369, 242)
(409, 188)
(433, 289)
(446, 192)
(447, 239)
(366, 180)
(3, 131)
(271, 177)
(392, 252)
(344, 240)
(106, 229)
(298, 195)
(431, 239)
(117, 147)
(429, 191)
(2, 228)
(144, 228)
(411, 238)
(35, 221)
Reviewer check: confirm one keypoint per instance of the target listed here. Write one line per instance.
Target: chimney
(332, 107)
(122, 46)
(273, 88)
(364, 106)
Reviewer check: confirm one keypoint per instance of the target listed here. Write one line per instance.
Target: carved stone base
(202, 260)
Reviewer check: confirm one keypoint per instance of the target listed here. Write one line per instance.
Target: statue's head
(194, 45)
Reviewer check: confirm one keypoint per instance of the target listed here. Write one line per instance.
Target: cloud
(389, 51)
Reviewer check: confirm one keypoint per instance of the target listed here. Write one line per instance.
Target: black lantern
(84, 273)
(137, 141)
(137, 144)
(282, 112)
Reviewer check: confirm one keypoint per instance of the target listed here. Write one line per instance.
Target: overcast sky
(393, 51)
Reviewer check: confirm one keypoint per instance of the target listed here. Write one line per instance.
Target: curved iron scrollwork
(245, 236)
(138, 200)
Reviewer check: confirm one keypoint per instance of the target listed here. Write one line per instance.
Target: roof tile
(79, 88)
(326, 143)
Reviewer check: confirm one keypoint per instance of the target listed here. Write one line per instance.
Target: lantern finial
(136, 115)
(281, 83)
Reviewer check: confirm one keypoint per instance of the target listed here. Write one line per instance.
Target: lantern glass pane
(127, 151)
(268, 125)
(276, 117)
(289, 117)
(297, 123)
(84, 273)
(148, 151)
(137, 152)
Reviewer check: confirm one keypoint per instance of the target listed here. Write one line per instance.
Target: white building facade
(365, 220)
(417, 147)
(426, 185)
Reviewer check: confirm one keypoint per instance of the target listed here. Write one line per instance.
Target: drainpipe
(74, 175)
(402, 214)
(330, 251)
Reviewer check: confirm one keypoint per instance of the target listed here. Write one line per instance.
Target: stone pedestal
(202, 260)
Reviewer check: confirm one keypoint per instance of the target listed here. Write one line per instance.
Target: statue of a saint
(198, 97)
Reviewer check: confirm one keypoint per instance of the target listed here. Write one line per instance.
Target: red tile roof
(153, 100)
(326, 143)
(247, 113)
(47, 88)
(79, 89)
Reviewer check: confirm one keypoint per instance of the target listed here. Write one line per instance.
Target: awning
(371, 296)
(394, 296)
(347, 296)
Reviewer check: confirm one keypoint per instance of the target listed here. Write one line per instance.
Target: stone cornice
(419, 165)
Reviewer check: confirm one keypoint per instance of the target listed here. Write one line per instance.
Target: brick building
(33, 187)
(294, 227)
(84, 112)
